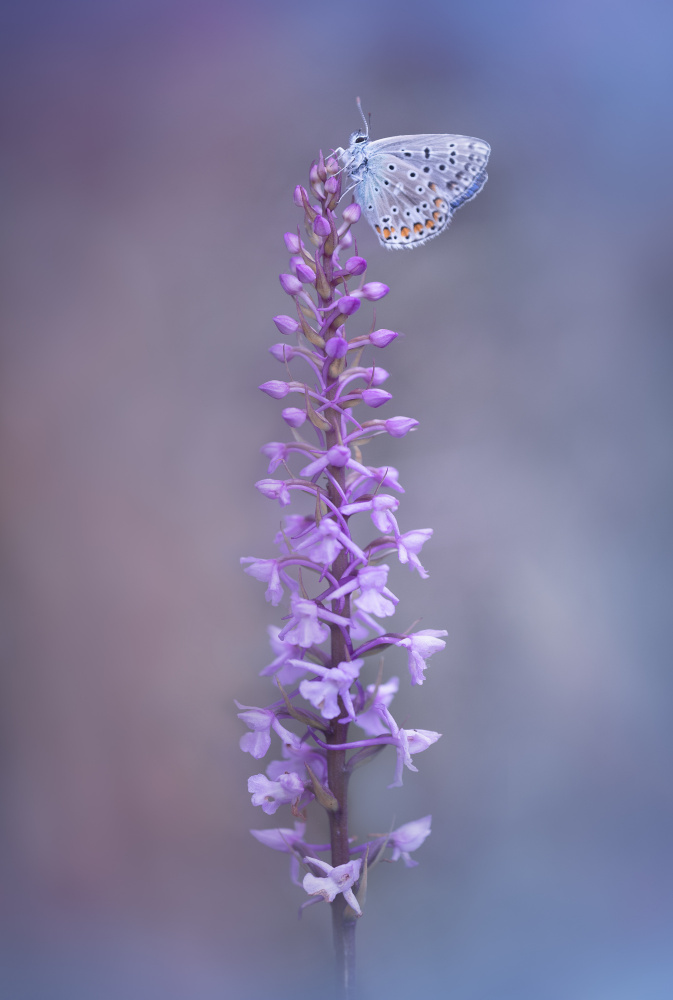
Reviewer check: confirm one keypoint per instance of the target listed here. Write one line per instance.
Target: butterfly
(409, 186)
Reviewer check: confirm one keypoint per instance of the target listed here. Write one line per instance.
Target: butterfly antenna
(357, 101)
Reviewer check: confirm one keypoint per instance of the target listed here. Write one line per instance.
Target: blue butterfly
(409, 186)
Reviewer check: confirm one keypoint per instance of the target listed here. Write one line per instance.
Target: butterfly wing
(410, 185)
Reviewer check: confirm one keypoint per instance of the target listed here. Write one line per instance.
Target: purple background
(149, 158)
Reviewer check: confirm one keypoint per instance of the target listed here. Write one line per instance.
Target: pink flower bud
(348, 305)
(304, 272)
(355, 265)
(352, 213)
(375, 397)
(290, 284)
(381, 338)
(336, 347)
(293, 416)
(321, 226)
(275, 388)
(339, 455)
(292, 242)
(376, 375)
(373, 290)
(282, 352)
(298, 191)
(397, 427)
(286, 324)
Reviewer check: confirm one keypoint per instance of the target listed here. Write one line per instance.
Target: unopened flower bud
(352, 213)
(376, 375)
(286, 324)
(290, 284)
(355, 265)
(336, 347)
(275, 388)
(293, 416)
(282, 352)
(292, 242)
(348, 305)
(298, 192)
(332, 165)
(381, 338)
(321, 226)
(375, 397)
(304, 272)
(338, 455)
(332, 185)
(373, 290)
(397, 427)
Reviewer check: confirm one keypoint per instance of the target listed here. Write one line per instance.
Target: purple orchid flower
(332, 586)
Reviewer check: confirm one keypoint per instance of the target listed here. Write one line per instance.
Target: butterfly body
(409, 186)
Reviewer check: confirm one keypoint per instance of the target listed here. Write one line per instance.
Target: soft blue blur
(150, 152)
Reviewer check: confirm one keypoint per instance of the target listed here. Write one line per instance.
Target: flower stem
(337, 776)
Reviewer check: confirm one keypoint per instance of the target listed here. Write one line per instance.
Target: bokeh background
(150, 152)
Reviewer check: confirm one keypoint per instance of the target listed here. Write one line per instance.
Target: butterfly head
(358, 137)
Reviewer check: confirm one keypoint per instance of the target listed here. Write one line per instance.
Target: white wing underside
(409, 186)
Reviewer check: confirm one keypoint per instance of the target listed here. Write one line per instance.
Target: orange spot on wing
(432, 186)
(436, 216)
(418, 226)
(438, 202)
(405, 231)
(429, 223)
(378, 229)
(386, 233)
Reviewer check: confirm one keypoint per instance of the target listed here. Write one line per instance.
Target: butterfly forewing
(409, 186)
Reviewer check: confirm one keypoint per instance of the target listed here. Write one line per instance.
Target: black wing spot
(426, 152)
(412, 174)
(391, 166)
(394, 209)
(420, 189)
(442, 166)
(387, 182)
(407, 153)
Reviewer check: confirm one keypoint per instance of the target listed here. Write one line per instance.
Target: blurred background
(150, 153)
